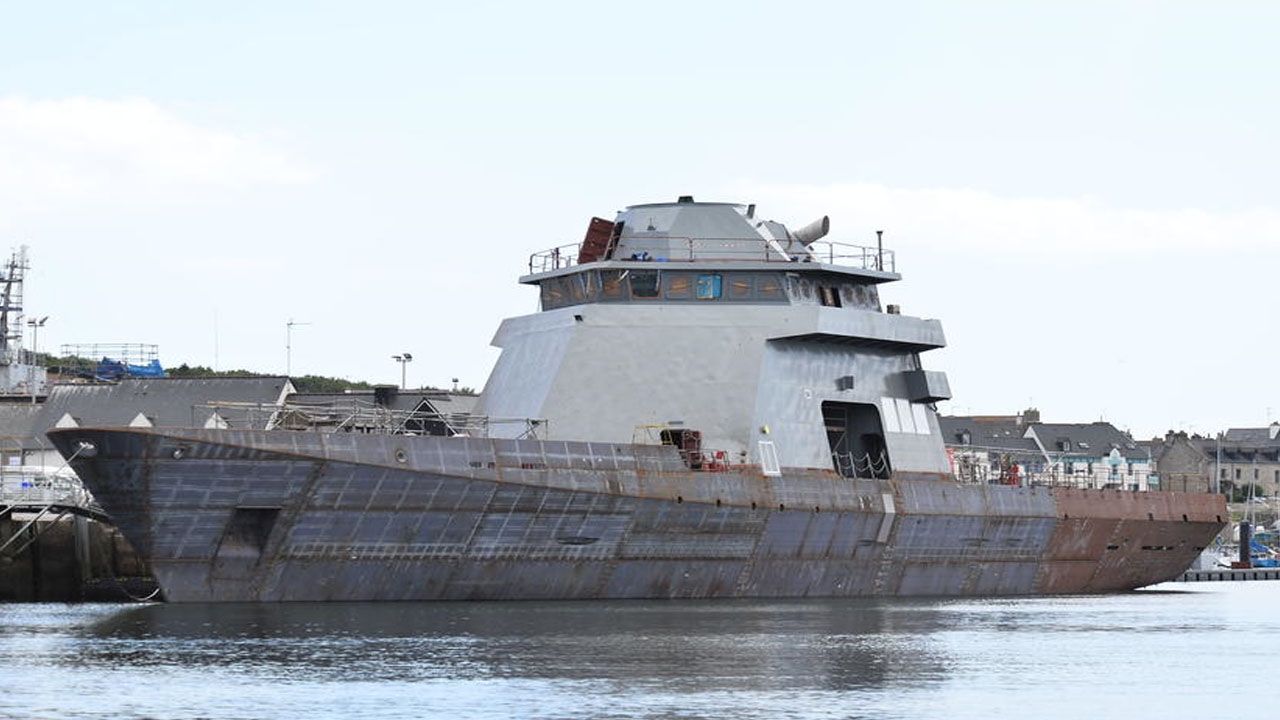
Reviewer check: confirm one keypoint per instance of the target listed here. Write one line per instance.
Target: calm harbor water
(1174, 651)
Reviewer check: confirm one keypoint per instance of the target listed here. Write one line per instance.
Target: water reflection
(679, 645)
(1138, 654)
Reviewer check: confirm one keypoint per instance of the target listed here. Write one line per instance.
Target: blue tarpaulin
(110, 369)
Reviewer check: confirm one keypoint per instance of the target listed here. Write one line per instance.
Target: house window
(1255, 473)
(1237, 473)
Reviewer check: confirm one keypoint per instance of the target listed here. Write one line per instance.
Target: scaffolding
(355, 416)
(129, 353)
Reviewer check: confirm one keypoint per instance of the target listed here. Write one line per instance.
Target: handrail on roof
(714, 249)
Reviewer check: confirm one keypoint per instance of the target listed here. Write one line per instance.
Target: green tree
(1241, 492)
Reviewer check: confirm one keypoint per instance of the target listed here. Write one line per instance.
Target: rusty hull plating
(287, 516)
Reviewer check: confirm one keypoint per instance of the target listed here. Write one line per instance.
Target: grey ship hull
(288, 516)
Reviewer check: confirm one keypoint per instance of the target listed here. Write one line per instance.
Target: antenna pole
(288, 345)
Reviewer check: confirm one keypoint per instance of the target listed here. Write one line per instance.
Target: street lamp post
(404, 359)
(35, 352)
(1217, 465)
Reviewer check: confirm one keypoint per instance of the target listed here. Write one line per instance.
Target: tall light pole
(404, 359)
(35, 351)
(1217, 465)
(288, 345)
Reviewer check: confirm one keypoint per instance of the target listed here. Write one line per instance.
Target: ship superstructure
(707, 404)
(697, 318)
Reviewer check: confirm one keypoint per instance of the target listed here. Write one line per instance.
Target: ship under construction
(706, 405)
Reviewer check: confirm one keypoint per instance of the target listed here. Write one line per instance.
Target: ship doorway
(856, 438)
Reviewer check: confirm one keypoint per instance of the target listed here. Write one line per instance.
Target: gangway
(41, 492)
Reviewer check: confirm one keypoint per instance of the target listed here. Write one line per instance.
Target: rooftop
(686, 231)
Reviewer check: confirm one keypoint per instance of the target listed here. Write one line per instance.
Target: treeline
(304, 383)
(79, 366)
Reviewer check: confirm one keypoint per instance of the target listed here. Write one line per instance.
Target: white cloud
(959, 218)
(67, 155)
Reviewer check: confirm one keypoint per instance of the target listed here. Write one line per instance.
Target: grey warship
(709, 405)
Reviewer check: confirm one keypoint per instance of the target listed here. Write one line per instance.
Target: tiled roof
(1007, 432)
(165, 402)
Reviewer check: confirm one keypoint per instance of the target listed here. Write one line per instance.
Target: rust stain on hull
(287, 517)
(1109, 540)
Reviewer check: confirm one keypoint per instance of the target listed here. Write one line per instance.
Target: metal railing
(30, 487)
(693, 454)
(554, 259)
(1081, 481)
(47, 495)
(860, 256)
(358, 416)
(863, 466)
(984, 474)
(686, 249)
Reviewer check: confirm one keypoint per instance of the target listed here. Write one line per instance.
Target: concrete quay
(1230, 575)
(70, 559)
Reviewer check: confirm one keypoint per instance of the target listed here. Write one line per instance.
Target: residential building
(1022, 450)
(1183, 463)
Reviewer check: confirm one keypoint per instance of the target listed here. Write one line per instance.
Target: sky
(1083, 193)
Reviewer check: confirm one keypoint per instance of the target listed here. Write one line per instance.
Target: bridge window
(679, 286)
(769, 288)
(862, 296)
(829, 296)
(553, 295)
(740, 287)
(708, 287)
(571, 290)
(577, 289)
(611, 285)
(644, 283)
(591, 285)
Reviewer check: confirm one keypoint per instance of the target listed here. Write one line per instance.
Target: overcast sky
(1085, 195)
